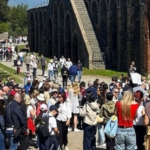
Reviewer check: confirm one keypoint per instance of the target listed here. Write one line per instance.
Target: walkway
(75, 138)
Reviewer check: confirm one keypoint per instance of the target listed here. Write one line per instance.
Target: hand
(27, 132)
(68, 122)
(143, 112)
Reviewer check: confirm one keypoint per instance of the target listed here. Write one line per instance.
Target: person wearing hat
(50, 69)
(41, 100)
(52, 142)
(53, 100)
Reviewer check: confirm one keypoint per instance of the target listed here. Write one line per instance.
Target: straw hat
(51, 60)
(41, 97)
(27, 100)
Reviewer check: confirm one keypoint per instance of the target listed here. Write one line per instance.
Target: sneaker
(66, 148)
(69, 129)
(103, 145)
(77, 130)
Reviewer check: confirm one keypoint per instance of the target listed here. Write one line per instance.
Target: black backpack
(42, 127)
(56, 65)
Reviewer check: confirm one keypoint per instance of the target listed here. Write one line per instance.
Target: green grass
(7, 71)
(21, 47)
(102, 72)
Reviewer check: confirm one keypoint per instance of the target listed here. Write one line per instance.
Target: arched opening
(32, 31)
(50, 38)
(41, 33)
(135, 33)
(61, 30)
(75, 46)
(55, 32)
(123, 36)
(103, 26)
(68, 36)
(94, 13)
(113, 34)
(37, 33)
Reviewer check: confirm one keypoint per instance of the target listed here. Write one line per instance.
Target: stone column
(129, 29)
(108, 49)
(142, 46)
(119, 36)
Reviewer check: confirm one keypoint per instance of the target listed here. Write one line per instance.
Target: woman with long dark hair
(63, 119)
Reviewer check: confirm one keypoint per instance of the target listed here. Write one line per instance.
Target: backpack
(56, 66)
(112, 86)
(111, 127)
(42, 127)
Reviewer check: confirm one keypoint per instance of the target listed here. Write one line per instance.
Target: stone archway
(135, 53)
(50, 38)
(113, 34)
(37, 33)
(123, 36)
(55, 31)
(103, 25)
(32, 31)
(74, 49)
(68, 36)
(41, 32)
(61, 29)
(94, 12)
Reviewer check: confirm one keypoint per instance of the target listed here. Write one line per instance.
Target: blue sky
(31, 3)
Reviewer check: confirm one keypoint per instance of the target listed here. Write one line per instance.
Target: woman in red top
(126, 111)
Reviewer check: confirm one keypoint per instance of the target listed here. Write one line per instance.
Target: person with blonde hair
(126, 112)
(75, 96)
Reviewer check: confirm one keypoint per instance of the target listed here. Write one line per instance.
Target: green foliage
(3, 10)
(3, 27)
(18, 24)
(102, 72)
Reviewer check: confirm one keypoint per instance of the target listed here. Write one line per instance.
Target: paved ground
(75, 139)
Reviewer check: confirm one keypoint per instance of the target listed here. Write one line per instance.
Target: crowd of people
(46, 110)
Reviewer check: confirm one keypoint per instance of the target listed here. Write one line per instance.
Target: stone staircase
(85, 25)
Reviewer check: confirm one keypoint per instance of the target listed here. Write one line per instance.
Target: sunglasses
(59, 96)
(116, 92)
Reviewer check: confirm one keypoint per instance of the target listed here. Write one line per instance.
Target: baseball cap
(53, 107)
(43, 107)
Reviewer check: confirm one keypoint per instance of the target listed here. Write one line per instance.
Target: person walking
(64, 74)
(73, 72)
(56, 66)
(43, 64)
(50, 69)
(34, 65)
(18, 64)
(27, 62)
(79, 65)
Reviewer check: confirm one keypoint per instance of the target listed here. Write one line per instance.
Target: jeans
(34, 72)
(72, 78)
(101, 135)
(79, 75)
(89, 138)
(2, 145)
(12, 142)
(43, 70)
(56, 74)
(50, 74)
(1, 57)
(125, 139)
(28, 67)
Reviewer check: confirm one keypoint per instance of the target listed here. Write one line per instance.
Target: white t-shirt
(52, 124)
(50, 66)
(13, 48)
(21, 54)
(68, 64)
(28, 111)
(62, 61)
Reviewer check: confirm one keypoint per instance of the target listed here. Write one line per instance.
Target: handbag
(99, 119)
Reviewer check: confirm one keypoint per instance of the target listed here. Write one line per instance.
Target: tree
(3, 10)
(3, 27)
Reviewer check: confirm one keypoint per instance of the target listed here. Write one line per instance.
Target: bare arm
(145, 120)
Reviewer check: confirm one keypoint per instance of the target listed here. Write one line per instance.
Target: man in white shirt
(62, 61)
(68, 63)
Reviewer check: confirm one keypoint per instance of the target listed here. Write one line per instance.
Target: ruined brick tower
(101, 33)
